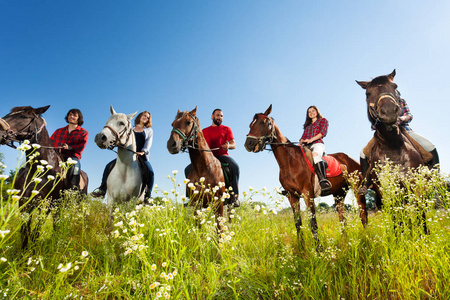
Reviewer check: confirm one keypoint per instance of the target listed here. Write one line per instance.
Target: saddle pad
(334, 167)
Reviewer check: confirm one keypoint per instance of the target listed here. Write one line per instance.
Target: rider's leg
(101, 191)
(75, 180)
(151, 180)
(318, 150)
(234, 177)
(428, 146)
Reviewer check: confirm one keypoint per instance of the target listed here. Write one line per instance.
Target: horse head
(22, 123)
(117, 131)
(261, 132)
(185, 128)
(383, 103)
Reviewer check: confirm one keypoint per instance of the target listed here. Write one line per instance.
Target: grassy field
(160, 252)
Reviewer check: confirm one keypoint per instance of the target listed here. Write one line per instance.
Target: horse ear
(363, 84)
(269, 110)
(391, 76)
(131, 116)
(113, 112)
(194, 111)
(42, 109)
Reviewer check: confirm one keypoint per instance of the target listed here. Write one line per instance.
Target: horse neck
(393, 138)
(126, 153)
(283, 153)
(46, 151)
(201, 159)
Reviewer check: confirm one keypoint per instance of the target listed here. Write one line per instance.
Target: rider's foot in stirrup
(325, 186)
(98, 193)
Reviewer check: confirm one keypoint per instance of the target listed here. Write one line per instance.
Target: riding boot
(75, 182)
(364, 168)
(325, 185)
(434, 160)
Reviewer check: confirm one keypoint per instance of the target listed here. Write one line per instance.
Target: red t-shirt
(216, 136)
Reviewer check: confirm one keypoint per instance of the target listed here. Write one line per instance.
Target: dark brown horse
(187, 134)
(295, 176)
(390, 142)
(25, 123)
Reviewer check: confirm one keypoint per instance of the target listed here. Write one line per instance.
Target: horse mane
(25, 109)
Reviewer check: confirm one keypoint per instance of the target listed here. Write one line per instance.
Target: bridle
(117, 142)
(191, 137)
(373, 107)
(268, 137)
(25, 132)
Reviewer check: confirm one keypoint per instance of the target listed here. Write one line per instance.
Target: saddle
(427, 156)
(334, 168)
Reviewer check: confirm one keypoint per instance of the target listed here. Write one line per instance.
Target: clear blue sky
(240, 56)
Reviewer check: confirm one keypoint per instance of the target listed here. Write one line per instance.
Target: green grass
(160, 252)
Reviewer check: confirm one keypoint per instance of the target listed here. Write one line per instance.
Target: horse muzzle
(102, 141)
(252, 144)
(173, 145)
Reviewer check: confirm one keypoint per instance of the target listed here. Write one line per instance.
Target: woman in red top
(315, 129)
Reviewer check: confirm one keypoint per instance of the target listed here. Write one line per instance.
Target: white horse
(125, 180)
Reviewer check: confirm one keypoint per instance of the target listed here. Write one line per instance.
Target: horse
(26, 123)
(187, 134)
(125, 179)
(389, 142)
(296, 177)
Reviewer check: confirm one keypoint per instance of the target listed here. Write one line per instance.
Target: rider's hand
(140, 153)
(225, 146)
(403, 118)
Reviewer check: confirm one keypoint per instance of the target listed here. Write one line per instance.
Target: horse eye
(367, 95)
(121, 124)
(188, 123)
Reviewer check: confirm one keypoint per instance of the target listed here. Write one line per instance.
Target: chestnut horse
(390, 142)
(187, 133)
(25, 123)
(295, 176)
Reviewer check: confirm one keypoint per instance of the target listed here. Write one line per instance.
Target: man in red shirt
(72, 139)
(220, 138)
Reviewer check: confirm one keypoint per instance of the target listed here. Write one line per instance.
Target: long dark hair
(78, 112)
(138, 119)
(308, 119)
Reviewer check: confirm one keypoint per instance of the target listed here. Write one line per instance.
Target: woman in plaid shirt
(315, 129)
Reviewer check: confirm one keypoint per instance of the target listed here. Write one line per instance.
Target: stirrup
(325, 186)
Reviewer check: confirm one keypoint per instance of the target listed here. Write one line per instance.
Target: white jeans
(318, 148)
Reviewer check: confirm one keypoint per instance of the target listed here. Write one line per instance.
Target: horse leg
(361, 200)
(313, 222)
(25, 231)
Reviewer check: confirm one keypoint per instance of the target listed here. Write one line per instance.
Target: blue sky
(240, 56)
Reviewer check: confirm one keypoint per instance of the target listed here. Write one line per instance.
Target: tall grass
(162, 251)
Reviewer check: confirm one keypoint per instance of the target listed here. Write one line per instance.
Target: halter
(128, 130)
(11, 135)
(191, 137)
(373, 107)
(266, 139)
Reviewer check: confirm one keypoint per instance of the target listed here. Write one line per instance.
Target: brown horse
(390, 142)
(187, 133)
(295, 176)
(25, 123)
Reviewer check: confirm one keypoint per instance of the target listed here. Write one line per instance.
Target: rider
(144, 138)
(220, 139)
(315, 129)
(403, 121)
(72, 139)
